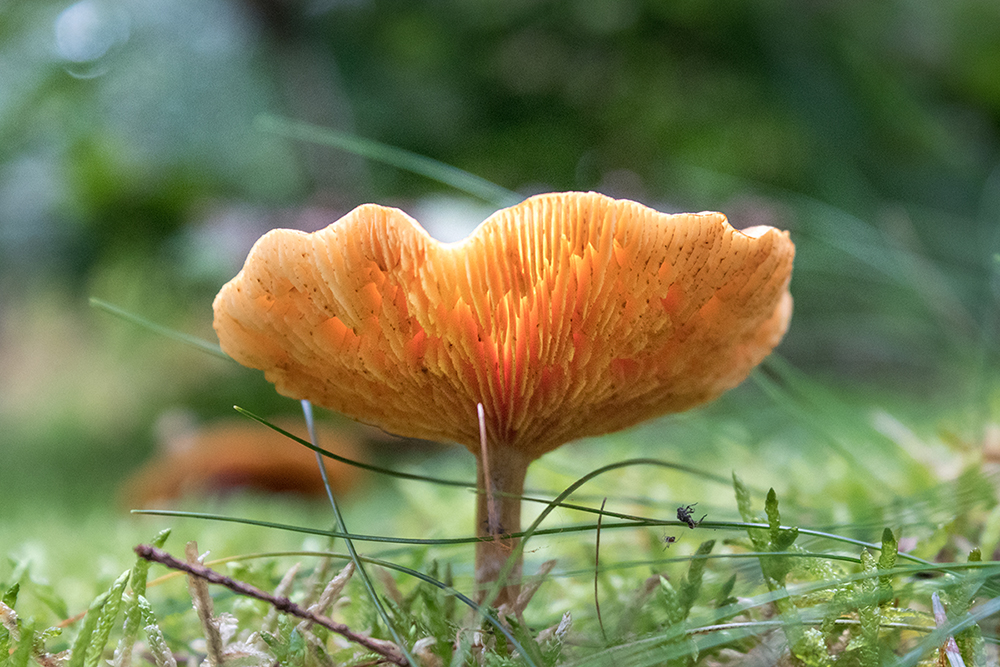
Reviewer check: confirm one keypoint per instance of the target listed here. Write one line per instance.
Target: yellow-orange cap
(567, 315)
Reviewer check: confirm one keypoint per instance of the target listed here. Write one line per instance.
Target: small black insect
(685, 514)
(668, 540)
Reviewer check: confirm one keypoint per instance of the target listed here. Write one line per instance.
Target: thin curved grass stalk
(397, 157)
(904, 570)
(706, 624)
(470, 485)
(357, 464)
(817, 407)
(745, 525)
(938, 636)
(362, 573)
(382, 538)
(187, 339)
(597, 569)
(920, 565)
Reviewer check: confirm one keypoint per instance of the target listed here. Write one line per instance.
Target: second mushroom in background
(567, 315)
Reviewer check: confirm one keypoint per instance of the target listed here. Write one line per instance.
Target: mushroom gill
(567, 315)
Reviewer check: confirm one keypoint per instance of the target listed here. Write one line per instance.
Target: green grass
(835, 518)
(810, 570)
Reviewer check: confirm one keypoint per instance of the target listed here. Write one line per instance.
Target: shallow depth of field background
(134, 168)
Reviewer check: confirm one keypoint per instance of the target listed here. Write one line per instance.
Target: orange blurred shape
(234, 455)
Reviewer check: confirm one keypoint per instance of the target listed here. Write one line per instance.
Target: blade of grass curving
(597, 569)
(741, 525)
(397, 157)
(180, 337)
(469, 485)
(818, 407)
(751, 555)
(351, 462)
(767, 598)
(342, 526)
(632, 522)
(552, 505)
(359, 537)
(939, 635)
(630, 653)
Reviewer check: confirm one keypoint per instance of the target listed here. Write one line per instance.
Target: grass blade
(358, 565)
(397, 157)
(172, 334)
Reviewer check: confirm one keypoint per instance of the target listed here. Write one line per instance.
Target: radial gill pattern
(568, 315)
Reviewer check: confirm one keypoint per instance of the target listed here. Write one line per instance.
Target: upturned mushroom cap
(568, 315)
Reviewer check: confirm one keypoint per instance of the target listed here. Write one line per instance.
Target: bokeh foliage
(131, 169)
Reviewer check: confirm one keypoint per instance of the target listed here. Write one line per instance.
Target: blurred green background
(133, 169)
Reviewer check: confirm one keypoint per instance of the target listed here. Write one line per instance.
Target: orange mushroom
(567, 315)
(233, 455)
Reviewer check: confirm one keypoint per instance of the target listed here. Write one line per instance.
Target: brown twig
(203, 605)
(386, 649)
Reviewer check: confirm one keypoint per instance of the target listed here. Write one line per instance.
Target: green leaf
(773, 515)
(671, 601)
(463, 653)
(691, 586)
(786, 537)
(22, 652)
(296, 652)
(811, 649)
(133, 613)
(743, 501)
(106, 621)
(887, 561)
(525, 638)
(724, 597)
(10, 595)
(78, 653)
(162, 655)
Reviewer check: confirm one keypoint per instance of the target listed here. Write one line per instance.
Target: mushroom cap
(567, 315)
(236, 454)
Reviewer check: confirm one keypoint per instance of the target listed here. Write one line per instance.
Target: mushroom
(567, 315)
(235, 455)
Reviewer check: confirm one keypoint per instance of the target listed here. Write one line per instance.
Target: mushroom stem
(507, 468)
